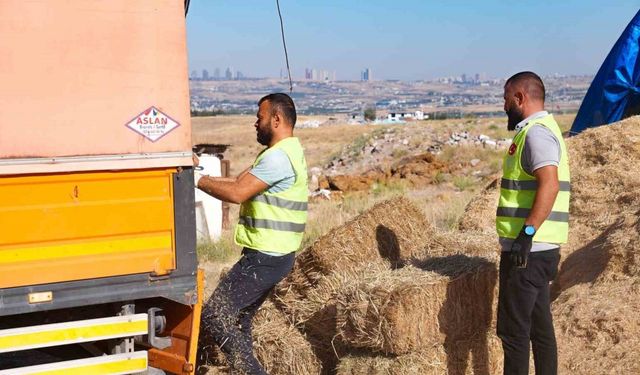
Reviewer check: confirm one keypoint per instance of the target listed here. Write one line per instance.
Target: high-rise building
(216, 74)
(228, 74)
(194, 74)
(205, 75)
(365, 75)
(239, 75)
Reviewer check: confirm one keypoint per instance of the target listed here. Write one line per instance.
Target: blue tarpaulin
(614, 93)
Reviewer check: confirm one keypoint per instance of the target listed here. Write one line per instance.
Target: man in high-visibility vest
(273, 212)
(532, 221)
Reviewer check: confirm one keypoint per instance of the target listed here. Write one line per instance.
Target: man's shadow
(467, 313)
(388, 246)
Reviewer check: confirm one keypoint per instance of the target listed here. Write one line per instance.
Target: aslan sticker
(152, 124)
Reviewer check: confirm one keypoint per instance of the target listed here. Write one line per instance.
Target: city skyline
(409, 40)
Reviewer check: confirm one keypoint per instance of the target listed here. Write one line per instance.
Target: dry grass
(419, 306)
(238, 131)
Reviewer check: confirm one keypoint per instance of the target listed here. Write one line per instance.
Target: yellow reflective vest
(275, 222)
(518, 191)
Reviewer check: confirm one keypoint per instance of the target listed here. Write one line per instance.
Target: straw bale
(479, 357)
(452, 242)
(409, 309)
(598, 328)
(277, 344)
(480, 213)
(280, 347)
(316, 314)
(388, 233)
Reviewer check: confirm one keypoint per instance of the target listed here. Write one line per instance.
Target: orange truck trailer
(98, 268)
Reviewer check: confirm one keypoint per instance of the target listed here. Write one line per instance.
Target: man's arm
(548, 187)
(237, 190)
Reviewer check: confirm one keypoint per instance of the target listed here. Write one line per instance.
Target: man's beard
(514, 116)
(265, 136)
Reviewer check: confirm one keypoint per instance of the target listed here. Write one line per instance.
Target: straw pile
(479, 357)
(412, 309)
(598, 329)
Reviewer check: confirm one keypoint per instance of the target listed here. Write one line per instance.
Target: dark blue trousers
(227, 316)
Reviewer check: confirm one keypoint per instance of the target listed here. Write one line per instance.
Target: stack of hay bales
(383, 236)
(597, 291)
(430, 317)
(390, 260)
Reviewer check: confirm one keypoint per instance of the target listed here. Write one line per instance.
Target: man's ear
(276, 120)
(519, 97)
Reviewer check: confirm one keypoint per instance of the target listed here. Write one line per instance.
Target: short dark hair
(283, 104)
(530, 82)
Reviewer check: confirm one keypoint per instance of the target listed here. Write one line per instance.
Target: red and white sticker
(152, 124)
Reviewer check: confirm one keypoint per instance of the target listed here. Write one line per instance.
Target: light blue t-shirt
(275, 170)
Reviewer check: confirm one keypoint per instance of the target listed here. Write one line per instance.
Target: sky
(406, 39)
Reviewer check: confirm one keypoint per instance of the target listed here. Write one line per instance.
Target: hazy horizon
(408, 40)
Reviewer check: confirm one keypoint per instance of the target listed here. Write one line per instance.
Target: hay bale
(452, 242)
(411, 309)
(480, 213)
(480, 357)
(277, 344)
(387, 233)
(280, 347)
(316, 313)
(598, 328)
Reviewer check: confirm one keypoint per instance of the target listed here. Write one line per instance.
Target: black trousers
(226, 317)
(524, 313)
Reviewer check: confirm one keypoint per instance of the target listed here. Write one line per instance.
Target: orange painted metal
(74, 73)
(183, 325)
(85, 225)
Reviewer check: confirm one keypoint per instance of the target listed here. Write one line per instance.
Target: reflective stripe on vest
(280, 202)
(518, 191)
(530, 185)
(271, 224)
(524, 213)
(275, 222)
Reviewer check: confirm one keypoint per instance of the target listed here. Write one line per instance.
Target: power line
(284, 43)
